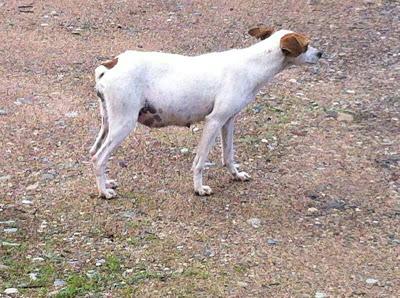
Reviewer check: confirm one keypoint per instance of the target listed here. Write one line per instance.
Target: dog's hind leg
(104, 126)
(227, 151)
(122, 120)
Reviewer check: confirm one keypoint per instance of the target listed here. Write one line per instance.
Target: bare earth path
(320, 217)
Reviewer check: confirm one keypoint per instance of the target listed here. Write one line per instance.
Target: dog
(160, 89)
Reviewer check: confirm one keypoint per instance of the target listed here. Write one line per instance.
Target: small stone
(33, 275)
(100, 262)
(10, 230)
(242, 284)
(254, 222)
(293, 81)
(5, 178)
(184, 150)
(6, 243)
(208, 252)
(350, 91)
(272, 241)
(320, 295)
(48, 176)
(37, 259)
(344, 117)
(7, 222)
(264, 141)
(59, 283)
(26, 202)
(3, 112)
(312, 210)
(371, 281)
(33, 186)
(54, 13)
(44, 24)
(91, 273)
(4, 267)
(10, 291)
(72, 114)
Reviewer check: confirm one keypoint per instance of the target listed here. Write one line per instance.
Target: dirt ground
(320, 218)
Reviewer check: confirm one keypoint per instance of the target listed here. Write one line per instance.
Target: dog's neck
(266, 61)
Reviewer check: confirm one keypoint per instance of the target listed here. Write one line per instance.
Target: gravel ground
(320, 217)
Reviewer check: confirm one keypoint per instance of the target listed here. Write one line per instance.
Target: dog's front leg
(210, 132)
(227, 151)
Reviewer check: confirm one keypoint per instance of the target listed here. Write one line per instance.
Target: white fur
(213, 87)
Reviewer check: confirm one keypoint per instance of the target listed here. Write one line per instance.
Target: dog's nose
(319, 54)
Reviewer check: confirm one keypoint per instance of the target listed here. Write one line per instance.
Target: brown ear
(110, 63)
(261, 32)
(294, 44)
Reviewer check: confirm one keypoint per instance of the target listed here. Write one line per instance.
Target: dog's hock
(261, 32)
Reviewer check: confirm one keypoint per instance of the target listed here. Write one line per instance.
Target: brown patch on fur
(148, 122)
(261, 32)
(294, 44)
(110, 63)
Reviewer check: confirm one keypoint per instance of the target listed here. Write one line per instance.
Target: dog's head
(294, 46)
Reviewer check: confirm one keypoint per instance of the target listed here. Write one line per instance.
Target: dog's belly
(160, 114)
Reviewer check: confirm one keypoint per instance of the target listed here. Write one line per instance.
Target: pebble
(10, 230)
(312, 210)
(5, 178)
(48, 176)
(3, 112)
(242, 284)
(5, 243)
(320, 295)
(91, 273)
(344, 117)
(59, 283)
(184, 150)
(4, 267)
(7, 222)
(10, 291)
(272, 241)
(100, 262)
(33, 275)
(208, 252)
(371, 281)
(33, 186)
(254, 222)
(26, 202)
(22, 100)
(37, 259)
(72, 114)
(350, 92)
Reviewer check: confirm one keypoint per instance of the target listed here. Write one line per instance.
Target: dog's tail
(104, 67)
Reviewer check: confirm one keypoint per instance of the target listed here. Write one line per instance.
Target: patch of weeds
(197, 272)
(145, 275)
(134, 241)
(112, 264)
(239, 268)
(78, 285)
(248, 139)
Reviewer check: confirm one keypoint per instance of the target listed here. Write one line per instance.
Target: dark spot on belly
(157, 118)
(148, 122)
(148, 109)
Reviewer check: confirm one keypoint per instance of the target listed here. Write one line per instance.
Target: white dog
(160, 89)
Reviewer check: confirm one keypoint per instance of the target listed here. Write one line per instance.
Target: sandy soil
(320, 217)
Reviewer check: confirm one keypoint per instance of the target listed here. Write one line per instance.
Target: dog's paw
(111, 184)
(108, 194)
(204, 190)
(242, 176)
